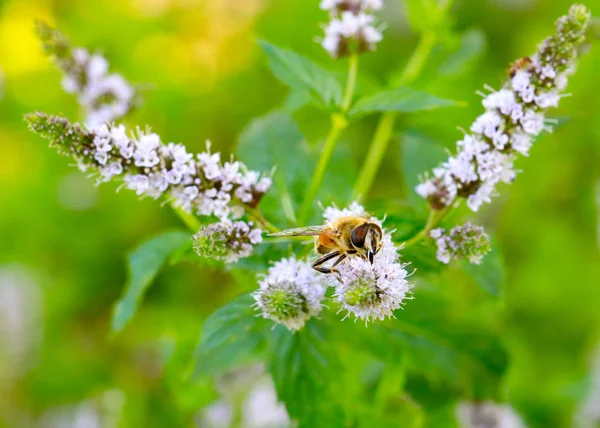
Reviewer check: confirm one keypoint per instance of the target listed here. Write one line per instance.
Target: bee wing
(300, 231)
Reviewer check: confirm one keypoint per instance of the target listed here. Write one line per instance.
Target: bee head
(366, 238)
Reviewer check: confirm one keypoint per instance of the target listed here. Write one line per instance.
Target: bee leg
(336, 272)
(317, 263)
(331, 269)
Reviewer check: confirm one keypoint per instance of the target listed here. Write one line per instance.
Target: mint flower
(227, 241)
(351, 28)
(198, 183)
(487, 414)
(290, 293)
(514, 116)
(467, 242)
(370, 291)
(105, 97)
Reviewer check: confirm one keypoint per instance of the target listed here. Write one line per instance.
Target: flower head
(487, 414)
(467, 242)
(370, 291)
(105, 97)
(351, 27)
(514, 116)
(227, 241)
(290, 293)
(199, 183)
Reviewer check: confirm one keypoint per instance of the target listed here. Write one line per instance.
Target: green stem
(374, 155)
(338, 124)
(434, 218)
(190, 220)
(257, 215)
(418, 59)
(385, 127)
(351, 82)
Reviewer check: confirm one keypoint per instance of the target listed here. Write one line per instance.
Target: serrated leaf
(303, 75)
(305, 370)
(402, 99)
(231, 336)
(275, 140)
(490, 274)
(144, 263)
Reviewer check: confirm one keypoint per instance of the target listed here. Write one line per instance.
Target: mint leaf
(144, 263)
(402, 99)
(301, 74)
(232, 335)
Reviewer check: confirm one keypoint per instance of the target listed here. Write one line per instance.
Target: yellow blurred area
(21, 163)
(19, 48)
(212, 39)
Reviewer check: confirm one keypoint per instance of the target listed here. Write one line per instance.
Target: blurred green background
(63, 241)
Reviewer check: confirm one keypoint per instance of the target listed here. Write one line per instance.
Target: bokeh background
(63, 241)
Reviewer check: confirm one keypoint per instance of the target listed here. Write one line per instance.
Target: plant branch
(433, 220)
(385, 127)
(338, 124)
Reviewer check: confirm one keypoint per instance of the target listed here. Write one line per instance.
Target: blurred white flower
(351, 27)
(487, 415)
(21, 319)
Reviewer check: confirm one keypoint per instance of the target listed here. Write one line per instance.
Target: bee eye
(359, 235)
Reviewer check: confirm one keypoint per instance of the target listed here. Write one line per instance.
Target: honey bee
(519, 64)
(344, 237)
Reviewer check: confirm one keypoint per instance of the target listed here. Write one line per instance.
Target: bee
(344, 237)
(519, 64)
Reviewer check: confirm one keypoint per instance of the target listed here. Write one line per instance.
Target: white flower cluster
(370, 291)
(199, 183)
(468, 242)
(514, 116)
(351, 27)
(290, 293)
(487, 414)
(104, 97)
(227, 241)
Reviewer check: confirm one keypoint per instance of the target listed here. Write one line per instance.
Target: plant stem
(257, 215)
(374, 155)
(435, 217)
(189, 219)
(338, 124)
(385, 126)
(351, 82)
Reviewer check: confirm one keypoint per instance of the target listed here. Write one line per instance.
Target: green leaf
(402, 99)
(144, 263)
(231, 336)
(306, 372)
(302, 74)
(472, 45)
(419, 155)
(490, 274)
(275, 140)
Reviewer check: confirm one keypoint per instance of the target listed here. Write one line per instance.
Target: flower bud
(226, 241)
(466, 242)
